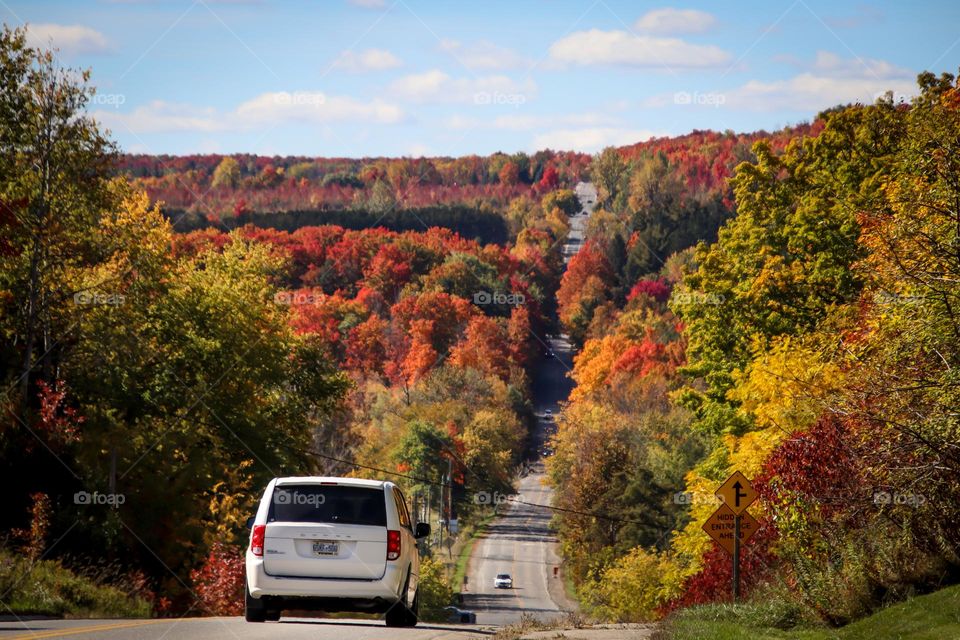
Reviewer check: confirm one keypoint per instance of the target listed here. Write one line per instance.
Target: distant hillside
(465, 194)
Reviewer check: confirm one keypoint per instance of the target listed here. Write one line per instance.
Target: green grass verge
(47, 588)
(929, 617)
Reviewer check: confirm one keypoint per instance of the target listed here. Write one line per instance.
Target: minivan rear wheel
(254, 609)
(400, 615)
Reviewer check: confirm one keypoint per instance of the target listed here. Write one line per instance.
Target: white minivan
(333, 544)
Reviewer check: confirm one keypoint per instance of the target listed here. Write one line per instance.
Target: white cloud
(159, 116)
(483, 55)
(369, 4)
(809, 92)
(67, 38)
(672, 21)
(367, 60)
(264, 110)
(826, 82)
(315, 107)
(621, 48)
(435, 86)
(831, 64)
(590, 140)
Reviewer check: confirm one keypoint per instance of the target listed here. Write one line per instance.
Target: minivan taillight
(393, 545)
(256, 539)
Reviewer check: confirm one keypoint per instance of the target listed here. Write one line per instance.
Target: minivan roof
(350, 482)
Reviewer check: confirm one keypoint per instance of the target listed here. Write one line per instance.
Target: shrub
(434, 591)
(631, 589)
(218, 582)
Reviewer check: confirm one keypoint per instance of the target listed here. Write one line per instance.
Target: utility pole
(440, 519)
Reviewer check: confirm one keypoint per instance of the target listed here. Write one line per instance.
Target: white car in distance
(333, 544)
(503, 581)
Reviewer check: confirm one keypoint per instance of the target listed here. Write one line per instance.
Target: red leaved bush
(819, 467)
(58, 421)
(218, 582)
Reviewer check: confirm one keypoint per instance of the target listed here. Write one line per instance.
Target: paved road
(587, 194)
(520, 542)
(234, 629)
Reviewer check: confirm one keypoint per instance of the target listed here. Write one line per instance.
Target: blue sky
(411, 77)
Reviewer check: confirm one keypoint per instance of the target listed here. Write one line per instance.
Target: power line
(548, 507)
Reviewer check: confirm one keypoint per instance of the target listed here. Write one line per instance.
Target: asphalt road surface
(520, 542)
(587, 194)
(233, 629)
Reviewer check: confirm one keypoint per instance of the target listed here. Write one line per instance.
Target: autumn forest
(180, 329)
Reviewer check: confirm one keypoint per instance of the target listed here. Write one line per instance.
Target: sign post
(736, 559)
(731, 524)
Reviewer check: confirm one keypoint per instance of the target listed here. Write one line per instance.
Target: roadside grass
(470, 537)
(48, 588)
(929, 617)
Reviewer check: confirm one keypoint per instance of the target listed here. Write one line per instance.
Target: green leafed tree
(54, 175)
(785, 259)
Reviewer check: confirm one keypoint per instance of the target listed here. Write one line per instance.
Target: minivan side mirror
(250, 522)
(422, 530)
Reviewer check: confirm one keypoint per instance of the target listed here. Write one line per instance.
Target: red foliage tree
(550, 179)
(659, 290)
(483, 348)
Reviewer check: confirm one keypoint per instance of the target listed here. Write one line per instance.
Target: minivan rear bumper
(385, 589)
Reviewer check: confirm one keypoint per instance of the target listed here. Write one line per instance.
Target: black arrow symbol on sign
(737, 494)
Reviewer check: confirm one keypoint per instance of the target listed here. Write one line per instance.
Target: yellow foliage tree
(632, 588)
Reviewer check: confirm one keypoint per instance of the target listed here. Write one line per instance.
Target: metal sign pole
(736, 559)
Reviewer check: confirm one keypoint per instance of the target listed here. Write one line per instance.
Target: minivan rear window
(328, 503)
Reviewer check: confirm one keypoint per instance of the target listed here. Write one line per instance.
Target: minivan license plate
(326, 548)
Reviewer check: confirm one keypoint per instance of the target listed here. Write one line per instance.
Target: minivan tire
(400, 615)
(254, 609)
